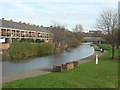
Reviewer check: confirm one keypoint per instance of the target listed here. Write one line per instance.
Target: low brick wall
(66, 67)
(58, 68)
(69, 65)
(76, 64)
(4, 46)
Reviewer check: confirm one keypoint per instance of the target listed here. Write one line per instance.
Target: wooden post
(96, 66)
(96, 70)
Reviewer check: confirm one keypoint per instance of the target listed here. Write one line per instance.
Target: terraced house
(94, 36)
(18, 30)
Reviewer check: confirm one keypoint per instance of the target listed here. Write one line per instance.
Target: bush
(32, 40)
(15, 40)
(38, 41)
(26, 49)
(27, 40)
(6, 40)
(43, 40)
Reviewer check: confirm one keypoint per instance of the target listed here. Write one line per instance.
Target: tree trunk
(113, 52)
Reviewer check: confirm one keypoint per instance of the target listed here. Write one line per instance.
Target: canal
(17, 66)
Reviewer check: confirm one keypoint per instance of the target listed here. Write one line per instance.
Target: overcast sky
(43, 12)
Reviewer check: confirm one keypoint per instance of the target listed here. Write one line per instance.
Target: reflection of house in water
(18, 30)
(94, 36)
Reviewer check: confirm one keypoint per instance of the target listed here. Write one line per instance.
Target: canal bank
(43, 71)
(74, 54)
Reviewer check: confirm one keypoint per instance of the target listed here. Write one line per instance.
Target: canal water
(17, 66)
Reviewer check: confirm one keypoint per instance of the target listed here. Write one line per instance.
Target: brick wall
(4, 46)
(66, 66)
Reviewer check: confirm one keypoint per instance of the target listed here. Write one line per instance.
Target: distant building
(18, 30)
(95, 32)
(94, 36)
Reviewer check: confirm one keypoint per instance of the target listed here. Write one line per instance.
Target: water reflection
(17, 66)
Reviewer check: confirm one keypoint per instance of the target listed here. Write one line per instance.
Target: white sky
(43, 12)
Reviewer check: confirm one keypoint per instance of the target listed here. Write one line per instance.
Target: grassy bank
(82, 77)
(27, 49)
(109, 54)
(104, 46)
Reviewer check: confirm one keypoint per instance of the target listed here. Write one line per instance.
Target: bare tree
(63, 35)
(78, 30)
(58, 25)
(108, 22)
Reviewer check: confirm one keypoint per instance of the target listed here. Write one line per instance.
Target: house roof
(22, 26)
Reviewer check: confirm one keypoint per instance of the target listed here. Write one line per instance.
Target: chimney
(41, 25)
(3, 18)
(20, 22)
(11, 20)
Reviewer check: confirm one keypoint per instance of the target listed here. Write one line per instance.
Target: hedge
(26, 49)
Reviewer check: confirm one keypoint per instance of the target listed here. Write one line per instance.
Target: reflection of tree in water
(19, 61)
(55, 60)
(23, 60)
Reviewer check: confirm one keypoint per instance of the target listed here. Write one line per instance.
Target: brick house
(18, 30)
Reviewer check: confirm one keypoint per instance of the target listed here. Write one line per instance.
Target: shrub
(6, 40)
(22, 39)
(27, 40)
(32, 40)
(43, 40)
(15, 40)
(38, 41)
(25, 49)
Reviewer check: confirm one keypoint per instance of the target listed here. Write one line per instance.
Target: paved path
(96, 47)
(26, 74)
(42, 71)
(91, 58)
